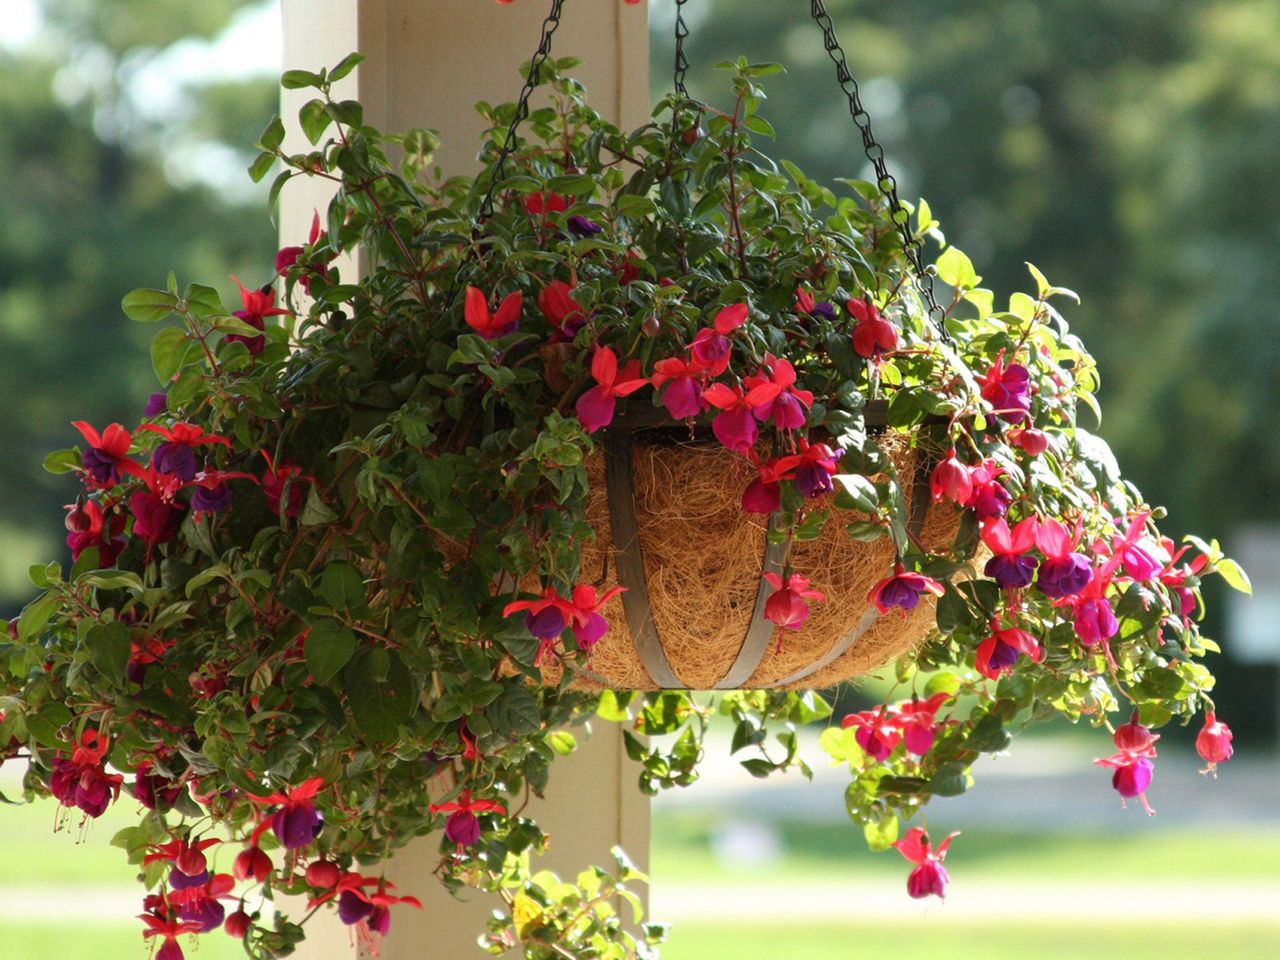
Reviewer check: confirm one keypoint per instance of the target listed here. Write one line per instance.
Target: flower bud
(322, 874)
(951, 479)
(237, 925)
(1034, 441)
(1214, 743)
(252, 862)
(1133, 737)
(191, 861)
(78, 519)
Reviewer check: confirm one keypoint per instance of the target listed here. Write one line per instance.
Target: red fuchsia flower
(764, 493)
(712, 346)
(322, 874)
(256, 305)
(1008, 390)
(82, 780)
(805, 304)
(492, 325)
(1011, 565)
(188, 858)
(812, 468)
(162, 924)
(951, 479)
(212, 495)
(734, 426)
(1131, 767)
(683, 394)
(918, 723)
(550, 615)
(176, 457)
(544, 204)
(152, 791)
(595, 407)
(277, 479)
(1063, 573)
(154, 521)
(199, 904)
(878, 733)
(788, 605)
(288, 256)
(565, 314)
(107, 460)
(1033, 441)
(99, 530)
(903, 590)
(463, 826)
(252, 861)
(930, 877)
(368, 911)
(584, 616)
(297, 821)
(1213, 743)
(998, 653)
(989, 498)
(873, 335)
(772, 395)
(238, 924)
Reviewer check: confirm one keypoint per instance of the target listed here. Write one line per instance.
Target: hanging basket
(664, 503)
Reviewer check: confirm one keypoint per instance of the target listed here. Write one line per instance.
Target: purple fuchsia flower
(873, 335)
(256, 306)
(788, 605)
(812, 468)
(584, 615)
(1011, 564)
(998, 654)
(107, 460)
(1213, 743)
(683, 394)
(157, 404)
(583, 227)
(551, 614)
(951, 479)
(565, 314)
(772, 395)
(82, 780)
(463, 826)
(930, 877)
(734, 426)
(805, 304)
(596, 406)
(878, 733)
(903, 590)
(296, 822)
(176, 457)
(989, 497)
(712, 346)
(490, 326)
(1132, 768)
(1063, 572)
(1008, 390)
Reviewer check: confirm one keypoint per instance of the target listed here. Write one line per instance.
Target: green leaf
(629, 205)
(345, 66)
(342, 586)
(111, 580)
(950, 780)
(204, 301)
(148, 306)
(316, 512)
(515, 713)
(36, 614)
(169, 351)
(62, 461)
(109, 645)
(955, 268)
(314, 120)
(882, 833)
(300, 79)
(272, 136)
(261, 166)
(1234, 574)
(379, 707)
(328, 648)
(863, 491)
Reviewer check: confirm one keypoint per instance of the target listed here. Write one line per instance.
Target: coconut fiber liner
(703, 556)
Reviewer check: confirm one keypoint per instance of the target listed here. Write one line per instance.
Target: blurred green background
(1130, 150)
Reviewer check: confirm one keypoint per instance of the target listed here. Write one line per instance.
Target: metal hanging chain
(682, 62)
(884, 179)
(522, 105)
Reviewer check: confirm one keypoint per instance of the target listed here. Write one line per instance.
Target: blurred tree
(90, 211)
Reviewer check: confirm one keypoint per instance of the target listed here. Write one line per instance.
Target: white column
(427, 62)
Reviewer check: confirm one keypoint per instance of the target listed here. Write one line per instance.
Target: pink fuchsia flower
(763, 494)
(1094, 620)
(1213, 743)
(463, 826)
(296, 821)
(878, 733)
(1132, 768)
(176, 456)
(564, 313)
(772, 395)
(595, 407)
(492, 325)
(903, 590)
(711, 347)
(1008, 390)
(1063, 573)
(989, 497)
(82, 781)
(873, 335)
(916, 719)
(951, 479)
(812, 467)
(930, 877)
(998, 653)
(550, 615)
(1011, 564)
(256, 306)
(734, 426)
(788, 605)
(683, 394)
(107, 460)
(584, 616)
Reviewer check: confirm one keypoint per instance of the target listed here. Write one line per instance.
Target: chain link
(522, 104)
(886, 182)
(682, 62)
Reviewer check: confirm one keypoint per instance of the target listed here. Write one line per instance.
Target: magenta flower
(812, 467)
(805, 304)
(96, 529)
(463, 826)
(951, 479)
(772, 395)
(989, 497)
(878, 734)
(999, 652)
(683, 394)
(919, 728)
(764, 493)
(1011, 564)
(1008, 390)
(930, 877)
(903, 590)
(157, 404)
(734, 426)
(788, 605)
(711, 347)
(595, 407)
(1063, 572)
(550, 615)
(492, 325)
(1034, 441)
(286, 257)
(170, 928)
(154, 521)
(279, 478)
(1132, 768)
(256, 306)
(252, 862)
(873, 335)
(1213, 743)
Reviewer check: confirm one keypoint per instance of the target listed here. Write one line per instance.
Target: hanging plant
(372, 553)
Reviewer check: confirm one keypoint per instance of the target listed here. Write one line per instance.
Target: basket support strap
(760, 631)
